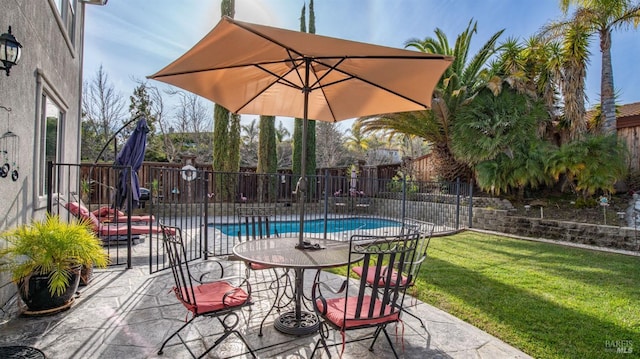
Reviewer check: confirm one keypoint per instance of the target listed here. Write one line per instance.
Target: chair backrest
(255, 223)
(175, 251)
(425, 231)
(387, 286)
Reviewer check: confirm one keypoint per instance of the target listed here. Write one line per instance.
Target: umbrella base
(288, 324)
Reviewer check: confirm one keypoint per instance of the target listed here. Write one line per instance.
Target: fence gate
(178, 197)
(175, 197)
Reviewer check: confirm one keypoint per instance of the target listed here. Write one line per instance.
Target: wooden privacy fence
(172, 184)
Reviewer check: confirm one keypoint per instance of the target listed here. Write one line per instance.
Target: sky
(132, 39)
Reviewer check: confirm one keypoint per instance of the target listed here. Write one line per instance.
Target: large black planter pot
(35, 293)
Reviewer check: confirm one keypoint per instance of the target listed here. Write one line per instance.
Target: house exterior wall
(51, 63)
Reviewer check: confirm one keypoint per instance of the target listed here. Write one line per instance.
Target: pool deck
(129, 313)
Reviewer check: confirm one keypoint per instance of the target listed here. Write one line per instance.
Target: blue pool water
(313, 226)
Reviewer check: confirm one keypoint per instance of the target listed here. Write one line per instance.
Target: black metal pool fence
(200, 200)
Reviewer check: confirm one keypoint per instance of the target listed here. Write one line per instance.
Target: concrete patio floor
(128, 314)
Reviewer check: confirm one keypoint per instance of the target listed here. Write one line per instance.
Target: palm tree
(594, 163)
(250, 140)
(602, 17)
(497, 135)
(357, 141)
(458, 86)
(575, 55)
(282, 132)
(503, 173)
(495, 124)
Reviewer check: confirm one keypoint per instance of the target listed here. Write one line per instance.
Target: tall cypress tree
(233, 151)
(267, 159)
(222, 137)
(311, 125)
(311, 129)
(297, 126)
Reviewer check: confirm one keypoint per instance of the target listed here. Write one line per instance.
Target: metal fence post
(129, 192)
(404, 197)
(205, 175)
(326, 202)
(470, 203)
(457, 203)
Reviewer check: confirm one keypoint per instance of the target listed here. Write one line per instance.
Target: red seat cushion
(371, 272)
(210, 297)
(258, 266)
(336, 312)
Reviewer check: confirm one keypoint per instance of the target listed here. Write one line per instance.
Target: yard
(548, 300)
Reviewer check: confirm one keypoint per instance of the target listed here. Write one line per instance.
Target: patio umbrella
(262, 70)
(131, 154)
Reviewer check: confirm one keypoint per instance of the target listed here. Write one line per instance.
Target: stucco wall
(51, 63)
(49, 60)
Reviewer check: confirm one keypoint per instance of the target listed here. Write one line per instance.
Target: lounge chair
(341, 203)
(109, 231)
(107, 214)
(363, 204)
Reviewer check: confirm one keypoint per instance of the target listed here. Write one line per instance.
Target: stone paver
(128, 313)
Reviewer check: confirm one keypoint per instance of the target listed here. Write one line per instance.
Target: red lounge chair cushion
(104, 229)
(108, 214)
(336, 312)
(210, 297)
(82, 212)
(371, 273)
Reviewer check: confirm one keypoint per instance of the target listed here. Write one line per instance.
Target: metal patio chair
(425, 231)
(256, 223)
(362, 305)
(219, 299)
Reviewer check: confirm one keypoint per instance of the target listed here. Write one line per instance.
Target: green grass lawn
(550, 301)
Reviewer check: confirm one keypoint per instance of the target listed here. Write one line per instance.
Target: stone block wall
(625, 238)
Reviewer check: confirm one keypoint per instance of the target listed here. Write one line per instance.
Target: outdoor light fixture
(10, 51)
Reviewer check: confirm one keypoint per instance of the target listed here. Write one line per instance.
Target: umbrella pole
(302, 182)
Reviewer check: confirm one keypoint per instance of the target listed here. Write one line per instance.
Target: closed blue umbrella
(131, 154)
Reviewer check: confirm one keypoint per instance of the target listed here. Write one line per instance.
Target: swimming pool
(313, 226)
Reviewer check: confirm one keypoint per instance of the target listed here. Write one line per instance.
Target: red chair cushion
(106, 211)
(336, 308)
(82, 212)
(371, 272)
(210, 297)
(258, 266)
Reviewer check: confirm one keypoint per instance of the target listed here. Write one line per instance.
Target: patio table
(282, 253)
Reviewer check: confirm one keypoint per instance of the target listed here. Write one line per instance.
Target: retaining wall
(626, 238)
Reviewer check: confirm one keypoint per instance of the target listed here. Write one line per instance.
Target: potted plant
(155, 187)
(85, 190)
(45, 258)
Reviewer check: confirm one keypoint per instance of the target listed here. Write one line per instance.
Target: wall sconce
(10, 51)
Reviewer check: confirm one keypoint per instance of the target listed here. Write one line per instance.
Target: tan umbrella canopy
(262, 70)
